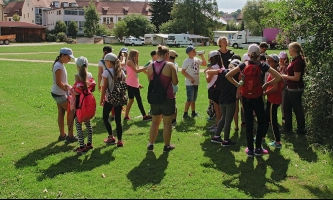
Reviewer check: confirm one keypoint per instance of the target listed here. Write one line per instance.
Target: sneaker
(260, 152)
(216, 139)
(250, 153)
(227, 143)
(185, 116)
(127, 118)
(147, 118)
(71, 139)
(62, 138)
(168, 148)
(80, 150)
(150, 147)
(110, 140)
(88, 147)
(274, 144)
(212, 126)
(213, 130)
(120, 144)
(195, 114)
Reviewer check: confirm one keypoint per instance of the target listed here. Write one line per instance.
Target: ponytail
(83, 76)
(56, 60)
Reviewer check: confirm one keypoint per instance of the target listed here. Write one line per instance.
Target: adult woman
(59, 92)
(226, 53)
(294, 89)
(167, 108)
(133, 86)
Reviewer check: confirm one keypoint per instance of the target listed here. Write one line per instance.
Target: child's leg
(90, 132)
(79, 132)
(221, 122)
(236, 114)
(229, 113)
(259, 109)
(267, 117)
(274, 122)
(119, 127)
(248, 114)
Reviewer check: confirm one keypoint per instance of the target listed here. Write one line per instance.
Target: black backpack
(157, 94)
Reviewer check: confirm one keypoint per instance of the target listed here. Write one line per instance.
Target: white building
(2, 8)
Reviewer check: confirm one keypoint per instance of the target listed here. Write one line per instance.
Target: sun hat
(81, 61)
(111, 57)
(173, 53)
(67, 51)
(253, 48)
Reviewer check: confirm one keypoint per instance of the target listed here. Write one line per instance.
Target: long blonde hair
(117, 69)
(298, 49)
(131, 56)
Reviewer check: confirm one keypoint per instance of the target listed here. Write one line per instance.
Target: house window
(111, 19)
(9, 19)
(104, 19)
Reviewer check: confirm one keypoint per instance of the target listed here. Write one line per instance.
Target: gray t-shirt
(55, 88)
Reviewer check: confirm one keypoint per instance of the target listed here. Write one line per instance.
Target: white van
(178, 40)
(149, 38)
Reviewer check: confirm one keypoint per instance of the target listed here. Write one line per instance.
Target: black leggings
(135, 92)
(117, 118)
(271, 116)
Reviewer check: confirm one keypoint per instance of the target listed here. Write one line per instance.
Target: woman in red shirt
(294, 89)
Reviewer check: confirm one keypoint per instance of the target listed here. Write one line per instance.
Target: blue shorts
(60, 99)
(192, 92)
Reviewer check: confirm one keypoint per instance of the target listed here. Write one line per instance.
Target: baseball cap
(124, 50)
(213, 53)
(189, 48)
(283, 54)
(235, 56)
(253, 48)
(245, 57)
(111, 57)
(80, 61)
(107, 49)
(263, 56)
(234, 63)
(173, 53)
(274, 57)
(67, 51)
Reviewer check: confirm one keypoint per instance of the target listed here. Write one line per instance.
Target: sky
(230, 6)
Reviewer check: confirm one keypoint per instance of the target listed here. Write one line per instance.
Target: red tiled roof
(14, 8)
(47, 3)
(20, 24)
(117, 7)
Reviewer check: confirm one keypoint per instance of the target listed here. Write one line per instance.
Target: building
(2, 7)
(25, 32)
(11, 9)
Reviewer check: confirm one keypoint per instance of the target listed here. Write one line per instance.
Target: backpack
(118, 97)
(251, 76)
(157, 94)
(87, 106)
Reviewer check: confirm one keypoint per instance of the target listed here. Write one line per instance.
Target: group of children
(225, 77)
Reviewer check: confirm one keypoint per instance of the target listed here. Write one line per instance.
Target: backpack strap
(158, 75)
(111, 77)
(103, 62)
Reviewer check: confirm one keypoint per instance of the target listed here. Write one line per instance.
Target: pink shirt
(166, 81)
(132, 78)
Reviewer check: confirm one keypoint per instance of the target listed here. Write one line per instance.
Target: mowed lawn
(35, 165)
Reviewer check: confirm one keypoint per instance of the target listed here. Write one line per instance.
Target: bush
(62, 37)
(51, 37)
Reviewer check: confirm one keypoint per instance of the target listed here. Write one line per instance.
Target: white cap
(67, 51)
(111, 57)
(213, 53)
(283, 54)
(245, 57)
(253, 48)
(80, 61)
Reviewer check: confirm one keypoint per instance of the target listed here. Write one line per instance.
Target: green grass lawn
(35, 165)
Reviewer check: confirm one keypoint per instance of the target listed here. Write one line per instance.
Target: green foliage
(231, 26)
(51, 37)
(138, 25)
(103, 30)
(73, 28)
(120, 29)
(91, 22)
(173, 26)
(253, 14)
(161, 10)
(61, 37)
(60, 27)
(16, 18)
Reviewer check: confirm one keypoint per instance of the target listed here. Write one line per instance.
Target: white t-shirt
(175, 87)
(106, 74)
(55, 88)
(192, 67)
(214, 78)
(101, 65)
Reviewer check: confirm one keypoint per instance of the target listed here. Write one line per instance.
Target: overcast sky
(230, 6)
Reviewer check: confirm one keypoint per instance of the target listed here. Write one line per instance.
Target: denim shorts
(60, 99)
(192, 92)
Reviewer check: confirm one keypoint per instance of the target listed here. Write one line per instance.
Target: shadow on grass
(74, 164)
(150, 170)
(186, 125)
(32, 158)
(320, 193)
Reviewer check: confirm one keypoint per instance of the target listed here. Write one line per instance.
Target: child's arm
(187, 75)
(203, 63)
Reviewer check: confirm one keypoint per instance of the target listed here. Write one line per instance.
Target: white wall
(28, 12)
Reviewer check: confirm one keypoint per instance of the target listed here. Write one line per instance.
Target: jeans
(293, 102)
(256, 105)
(271, 116)
(227, 111)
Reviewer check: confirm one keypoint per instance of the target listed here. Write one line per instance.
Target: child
(133, 86)
(227, 103)
(59, 92)
(253, 101)
(172, 57)
(83, 81)
(283, 64)
(191, 69)
(113, 70)
(122, 56)
(274, 99)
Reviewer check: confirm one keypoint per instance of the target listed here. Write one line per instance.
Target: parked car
(134, 42)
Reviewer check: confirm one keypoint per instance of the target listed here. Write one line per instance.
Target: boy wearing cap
(172, 57)
(60, 90)
(191, 70)
(255, 103)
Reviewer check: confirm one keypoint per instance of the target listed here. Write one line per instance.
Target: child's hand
(101, 103)
(140, 86)
(192, 80)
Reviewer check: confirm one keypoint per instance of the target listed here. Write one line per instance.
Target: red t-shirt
(275, 97)
(296, 65)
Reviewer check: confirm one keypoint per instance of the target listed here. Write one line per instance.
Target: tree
(235, 14)
(16, 18)
(60, 27)
(120, 30)
(195, 16)
(138, 25)
(161, 10)
(91, 20)
(253, 16)
(73, 28)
